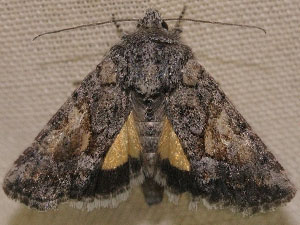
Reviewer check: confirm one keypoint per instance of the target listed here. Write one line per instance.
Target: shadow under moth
(148, 115)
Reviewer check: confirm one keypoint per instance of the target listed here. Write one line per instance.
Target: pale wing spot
(126, 143)
(85, 141)
(72, 138)
(191, 72)
(170, 148)
(222, 143)
(108, 72)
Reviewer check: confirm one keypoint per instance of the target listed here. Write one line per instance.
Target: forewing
(66, 159)
(229, 165)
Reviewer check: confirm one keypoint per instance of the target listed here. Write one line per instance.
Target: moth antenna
(85, 25)
(218, 23)
(134, 20)
(177, 25)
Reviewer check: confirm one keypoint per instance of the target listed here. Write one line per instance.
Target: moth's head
(152, 19)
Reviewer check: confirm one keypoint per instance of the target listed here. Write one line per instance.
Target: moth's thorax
(150, 59)
(151, 62)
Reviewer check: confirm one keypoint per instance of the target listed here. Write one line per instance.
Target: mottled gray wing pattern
(229, 164)
(66, 158)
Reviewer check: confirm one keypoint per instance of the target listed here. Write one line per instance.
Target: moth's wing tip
(283, 189)
(31, 203)
(14, 189)
(280, 191)
(288, 187)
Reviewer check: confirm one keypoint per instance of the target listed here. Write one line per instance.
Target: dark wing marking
(66, 158)
(229, 164)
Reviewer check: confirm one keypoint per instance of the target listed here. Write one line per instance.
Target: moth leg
(153, 192)
(178, 23)
(118, 27)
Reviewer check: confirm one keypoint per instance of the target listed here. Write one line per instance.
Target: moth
(148, 115)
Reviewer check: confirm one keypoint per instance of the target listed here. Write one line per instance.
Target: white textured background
(260, 74)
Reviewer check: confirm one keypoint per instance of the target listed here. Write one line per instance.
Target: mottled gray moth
(148, 115)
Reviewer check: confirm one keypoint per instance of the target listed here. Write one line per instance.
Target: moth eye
(164, 25)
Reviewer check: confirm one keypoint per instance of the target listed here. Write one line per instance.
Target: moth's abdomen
(150, 132)
(148, 115)
(149, 136)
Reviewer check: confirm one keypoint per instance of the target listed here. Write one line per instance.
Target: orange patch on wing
(126, 143)
(171, 149)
